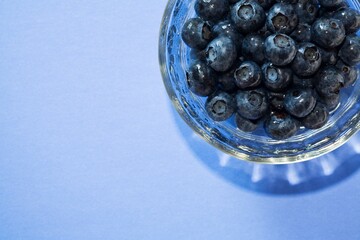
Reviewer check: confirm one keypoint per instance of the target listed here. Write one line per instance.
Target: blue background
(91, 148)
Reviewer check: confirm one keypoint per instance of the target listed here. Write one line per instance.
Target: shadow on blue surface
(298, 178)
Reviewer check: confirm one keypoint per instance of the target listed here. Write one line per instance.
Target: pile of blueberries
(280, 63)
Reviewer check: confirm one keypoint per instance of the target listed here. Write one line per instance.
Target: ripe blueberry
(201, 78)
(280, 49)
(350, 18)
(247, 75)
(329, 56)
(317, 118)
(350, 51)
(275, 78)
(252, 104)
(307, 60)
(299, 102)
(196, 33)
(328, 33)
(329, 81)
(220, 106)
(282, 18)
(221, 53)
(245, 125)
(281, 126)
(248, 16)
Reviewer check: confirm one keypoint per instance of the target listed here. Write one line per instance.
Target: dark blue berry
(350, 18)
(221, 53)
(331, 101)
(247, 75)
(275, 78)
(307, 10)
(307, 60)
(329, 56)
(302, 82)
(350, 51)
(331, 3)
(280, 49)
(245, 125)
(228, 29)
(226, 81)
(211, 10)
(302, 33)
(317, 118)
(329, 81)
(349, 73)
(201, 78)
(252, 104)
(299, 102)
(281, 126)
(328, 33)
(253, 48)
(196, 33)
(282, 18)
(248, 16)
(220, 106)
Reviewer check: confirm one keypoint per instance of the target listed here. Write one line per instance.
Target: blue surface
(90, 147)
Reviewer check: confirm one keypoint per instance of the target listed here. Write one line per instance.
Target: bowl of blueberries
(267, 81)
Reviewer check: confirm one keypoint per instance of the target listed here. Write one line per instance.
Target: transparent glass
(255, 147)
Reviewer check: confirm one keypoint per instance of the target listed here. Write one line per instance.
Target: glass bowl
(255, 147)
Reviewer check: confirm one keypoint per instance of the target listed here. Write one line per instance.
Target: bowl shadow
(288, 179)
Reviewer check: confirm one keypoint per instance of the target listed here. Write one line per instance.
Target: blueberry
(349, 73)
(299, 102)
(252, 104)
(317, 118)
(253, 48)
(211, 10)
(282, 18)
(220, 106)
(328, 33)
(350, 51)
(248, 16)
(307, 10)
(280, 49)
(264, 32)
(247, 75)
(329, 81)
(228, 29)
(281, 126)
(350, 18)
(329, 56)
(302, 33)
(331, 101)
(307, 60)
(331, 3)
(226, 81)
(302, 82)
(275, 78)
(245, 125)
(201, 78)
(221, 53)
(196, 33)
